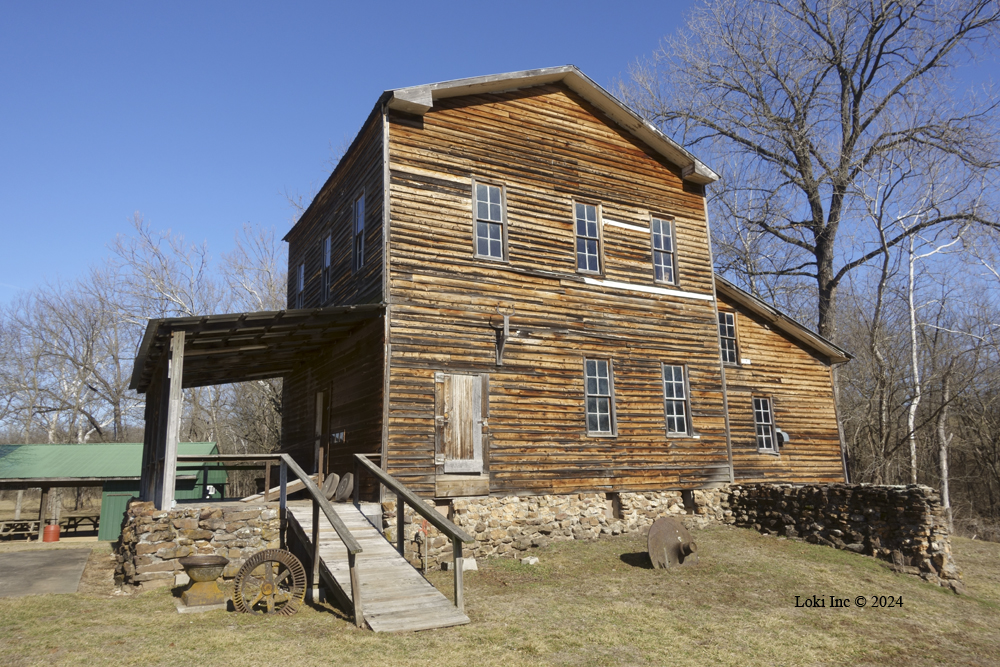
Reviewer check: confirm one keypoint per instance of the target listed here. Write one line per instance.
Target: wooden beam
(173, 419)
(41, 511)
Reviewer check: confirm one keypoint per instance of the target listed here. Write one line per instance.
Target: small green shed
(115, 467)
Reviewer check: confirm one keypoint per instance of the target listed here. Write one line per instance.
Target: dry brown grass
(584, 604)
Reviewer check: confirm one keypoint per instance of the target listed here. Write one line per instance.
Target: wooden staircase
(395, 596)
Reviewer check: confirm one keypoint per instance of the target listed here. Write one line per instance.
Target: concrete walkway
(38, 572)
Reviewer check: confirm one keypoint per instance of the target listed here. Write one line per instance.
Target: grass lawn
(585, 603)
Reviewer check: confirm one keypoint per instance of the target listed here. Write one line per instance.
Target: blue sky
(201, 116)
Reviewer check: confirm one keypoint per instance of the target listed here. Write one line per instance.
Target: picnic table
(68, 522)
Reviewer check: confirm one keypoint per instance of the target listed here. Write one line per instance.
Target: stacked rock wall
(904, 525)
(152, 541)
(512, 525)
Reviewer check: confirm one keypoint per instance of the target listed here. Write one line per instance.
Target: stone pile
(511, 525)
(153, 541)
(904, 525)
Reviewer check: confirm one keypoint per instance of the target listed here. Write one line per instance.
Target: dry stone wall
(904, 525)
(513, 525)
(153, 541)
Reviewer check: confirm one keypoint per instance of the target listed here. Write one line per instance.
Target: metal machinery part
(272, 581)
(670, 544)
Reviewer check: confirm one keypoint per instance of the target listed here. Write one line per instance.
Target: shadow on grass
(638, 559)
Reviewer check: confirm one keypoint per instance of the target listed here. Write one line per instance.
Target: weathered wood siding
(350, 376)
(332, 211)
(350, 373)
(799, 384)
(547, 147)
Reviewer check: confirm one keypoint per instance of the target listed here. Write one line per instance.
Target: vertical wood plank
(267, 481)
(456, 549)
(315, 555)
(400, 526)
(283, 502)
(174, 409)
(359, 615)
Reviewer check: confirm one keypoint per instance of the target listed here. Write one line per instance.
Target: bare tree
(804, 97)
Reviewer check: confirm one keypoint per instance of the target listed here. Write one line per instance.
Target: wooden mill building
(519, 275)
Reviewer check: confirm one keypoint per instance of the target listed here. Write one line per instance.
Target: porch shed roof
(236, 347)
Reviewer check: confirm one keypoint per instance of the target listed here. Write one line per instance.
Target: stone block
(196, 534)
(185, 523)
(162, 566)
(240, 515)
(146, 548)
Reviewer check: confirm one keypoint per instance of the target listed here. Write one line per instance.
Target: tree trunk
(944, 440)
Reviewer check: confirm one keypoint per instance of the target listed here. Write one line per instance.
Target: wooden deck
(395, 596)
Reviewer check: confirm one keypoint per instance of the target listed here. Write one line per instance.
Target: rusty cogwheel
(272, 581)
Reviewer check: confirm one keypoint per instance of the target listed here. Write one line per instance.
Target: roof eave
(419, 100)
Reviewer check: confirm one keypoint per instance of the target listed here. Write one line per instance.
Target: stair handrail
(406, 496)
(319, 502)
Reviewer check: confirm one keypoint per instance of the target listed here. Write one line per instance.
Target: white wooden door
(460, 423)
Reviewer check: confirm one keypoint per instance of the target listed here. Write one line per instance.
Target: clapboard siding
(548, 148)
(351, 378)
(332, 212)
(800, 387)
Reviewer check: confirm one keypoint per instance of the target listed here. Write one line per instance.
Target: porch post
(175, 380)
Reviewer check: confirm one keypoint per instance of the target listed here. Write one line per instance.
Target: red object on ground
(51, 533)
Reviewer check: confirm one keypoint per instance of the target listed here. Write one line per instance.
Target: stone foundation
(152, 541)
(904, 525)
(512, 525)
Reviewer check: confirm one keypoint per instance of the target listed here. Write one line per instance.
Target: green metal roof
(110, 460)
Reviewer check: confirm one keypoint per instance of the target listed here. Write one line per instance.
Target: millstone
(330, 485)
(670, 544)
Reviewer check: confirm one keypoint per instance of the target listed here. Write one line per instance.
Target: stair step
(395, 597)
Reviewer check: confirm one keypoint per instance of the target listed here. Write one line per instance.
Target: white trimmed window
(490, 220)
(599, 397)
(663, 251)
(326, 252)
(727, 337)
(675, 396)
(588, 239)
(300, 287)
(359, 232)
(763, 421)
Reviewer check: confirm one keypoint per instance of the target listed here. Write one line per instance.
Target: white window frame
(668, 254)
(597, 238)
(477, 220)
(724, 337)
(672, 386)
(358, 233)
(594, 392)
(763, 425)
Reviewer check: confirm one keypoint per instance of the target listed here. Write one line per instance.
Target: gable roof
(420, 99)
(779, 320)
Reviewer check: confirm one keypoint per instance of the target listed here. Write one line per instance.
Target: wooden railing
(403, 497)
(319, 502)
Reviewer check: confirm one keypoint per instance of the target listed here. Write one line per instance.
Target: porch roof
(237, 347)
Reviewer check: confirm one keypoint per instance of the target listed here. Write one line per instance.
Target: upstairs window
(599, 397)
(359, 233)
(675, 396)
(588, 239)
(763, 421)
(727, 337)
(300, 287)
(490, 220)
(326, 252)
(663, 251)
